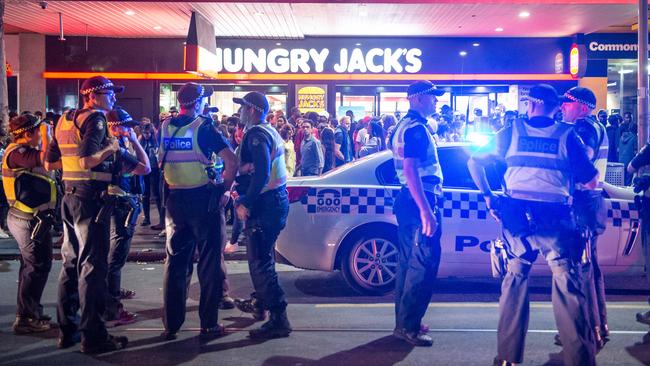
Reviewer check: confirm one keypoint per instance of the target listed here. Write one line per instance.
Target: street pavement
(332, 325)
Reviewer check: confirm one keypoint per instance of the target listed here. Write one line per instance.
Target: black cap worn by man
(543, 94)
(191, 93)
(120, 117)
(97, 83)
(423, 87)
(580, 95)
(256, 100)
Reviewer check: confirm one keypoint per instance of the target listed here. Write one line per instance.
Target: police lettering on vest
(538, 165)
(27, 190)
(68, 137)
(184, 162)
(429, 169)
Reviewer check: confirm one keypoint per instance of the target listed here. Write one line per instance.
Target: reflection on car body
(343, 220)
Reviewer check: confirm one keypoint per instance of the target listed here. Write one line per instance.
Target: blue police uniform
(419, 256)
(543, 160)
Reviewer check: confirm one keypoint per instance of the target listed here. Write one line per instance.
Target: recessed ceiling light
(278, 43)
(498, 29)
(524, 14)
(129, 12)
(476, 44)
(357, 44)
(463, 53)
(157, 27)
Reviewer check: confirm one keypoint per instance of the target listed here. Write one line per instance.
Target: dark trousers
(530, 228)
(82, 282)
(120, 245)
(35, 265)
(152, 187)
(237, 228)
(419, 259)
(189, 225)
(268, 216)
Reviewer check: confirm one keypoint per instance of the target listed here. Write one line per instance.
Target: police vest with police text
(184, 163)
(278, 176)
(429, 167)
(68, 137)
(27, 190)
(538, 163)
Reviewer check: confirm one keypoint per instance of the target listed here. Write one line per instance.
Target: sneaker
(231, 248)
(68, 341)
(214, 332)
(126, 294)
(277, 327)
(145, 222)
(29, 325)
(250, 306)
(643, 317)
(123, 318)
(112, 343)
(162, 234)
(226, 303)
(415, 339)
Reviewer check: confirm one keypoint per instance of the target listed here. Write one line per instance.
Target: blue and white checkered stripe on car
(464, 205)
(619, 211)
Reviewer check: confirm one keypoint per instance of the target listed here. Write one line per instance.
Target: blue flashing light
(478, 139)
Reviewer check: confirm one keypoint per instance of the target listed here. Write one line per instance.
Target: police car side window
(386, 174)
(453, 161)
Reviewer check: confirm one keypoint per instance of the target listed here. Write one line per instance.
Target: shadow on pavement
(386, 351)
(641, 350)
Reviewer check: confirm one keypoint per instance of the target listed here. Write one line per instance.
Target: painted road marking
(542, 305)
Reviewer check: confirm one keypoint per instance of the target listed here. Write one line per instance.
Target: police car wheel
(369, 265)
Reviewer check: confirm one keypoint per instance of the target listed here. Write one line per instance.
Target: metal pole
(4, 90)
(642, 78)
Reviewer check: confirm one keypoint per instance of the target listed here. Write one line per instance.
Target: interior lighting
(278, 43)
(463, 53)
(129, 12)
(157, 27)
(611, 84)
(363, 10)
(524, 14)
(476, 44)
(498, 29)
(625, 71)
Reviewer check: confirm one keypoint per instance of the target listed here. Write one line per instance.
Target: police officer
(82, 147)
(31, 194)
(189, 142)
(124, 194)
(416, 162)
(589, 205)
(264, 205)
(640, 161)
(543, 160)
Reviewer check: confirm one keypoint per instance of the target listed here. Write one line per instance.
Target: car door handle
(631, 237)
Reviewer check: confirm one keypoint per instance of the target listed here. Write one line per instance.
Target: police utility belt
(115, 196)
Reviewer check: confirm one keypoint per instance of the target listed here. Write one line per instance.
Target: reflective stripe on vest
(429, 167)
(538, 164)
(600, 154)
(185, 163)
(278, 176)
(68, 138)
(9, 177)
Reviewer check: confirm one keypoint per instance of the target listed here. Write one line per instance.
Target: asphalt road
(332, 325)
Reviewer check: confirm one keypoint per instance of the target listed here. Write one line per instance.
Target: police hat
(580, 95)
(256, 100)
(423, 87)
(23, 123)
(542, 94)
(97, 83)
(120, 117)
(191, 93)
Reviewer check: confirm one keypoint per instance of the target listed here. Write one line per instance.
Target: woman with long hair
(376, 140)
(329, 147)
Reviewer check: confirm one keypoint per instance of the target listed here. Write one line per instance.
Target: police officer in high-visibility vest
(124, 193)
(544, 160)
(589, 205)
(31, 194)
(263, 204)
(194, 210)
(415, 156)
(83, 148)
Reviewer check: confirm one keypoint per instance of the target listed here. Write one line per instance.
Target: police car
(343, 220)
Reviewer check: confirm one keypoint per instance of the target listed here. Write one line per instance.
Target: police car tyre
(369, 261)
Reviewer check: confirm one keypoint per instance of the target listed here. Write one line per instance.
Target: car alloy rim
(375, 262)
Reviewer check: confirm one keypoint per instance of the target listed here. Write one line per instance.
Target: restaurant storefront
(333, 74)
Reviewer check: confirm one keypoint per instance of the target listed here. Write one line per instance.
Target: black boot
(277, 327)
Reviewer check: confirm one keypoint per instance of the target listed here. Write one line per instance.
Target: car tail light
(297, 193)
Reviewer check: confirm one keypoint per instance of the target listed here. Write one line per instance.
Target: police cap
(543, 94)
(256, 100)
(580, 95)
(423, 87)
(97, 83)
(23, 123)
(120, 117)
(191, 93)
